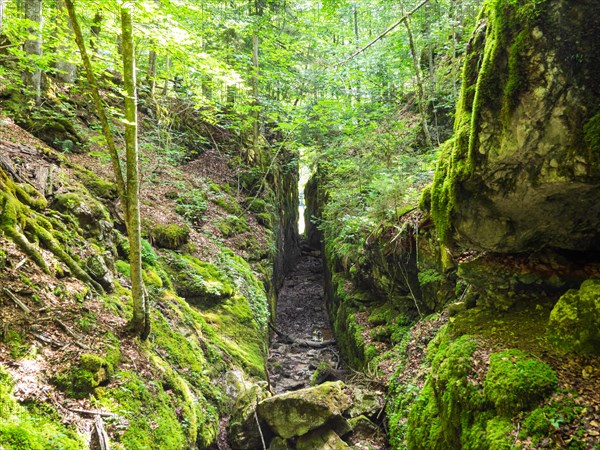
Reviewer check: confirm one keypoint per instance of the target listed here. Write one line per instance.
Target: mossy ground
(166, 392)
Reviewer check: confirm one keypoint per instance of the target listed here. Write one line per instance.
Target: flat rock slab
(298, 412)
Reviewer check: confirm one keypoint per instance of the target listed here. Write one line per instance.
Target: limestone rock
(296, 413)
(279, 444)
(364, 402)
(243, 429)
(99, 271)
(321, 439)
(575, 319)
(522, 171)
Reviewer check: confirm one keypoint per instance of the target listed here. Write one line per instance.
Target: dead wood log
(19, 303)
(303, 342)
(99, 439)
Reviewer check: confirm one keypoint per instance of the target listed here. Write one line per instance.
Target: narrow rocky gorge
(305, 340)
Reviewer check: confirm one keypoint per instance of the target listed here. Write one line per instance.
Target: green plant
(191, 205)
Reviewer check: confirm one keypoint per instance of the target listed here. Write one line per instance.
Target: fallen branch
(99, 438)
(382, 35)
(292, 340)
(92, 413)
(19, 303)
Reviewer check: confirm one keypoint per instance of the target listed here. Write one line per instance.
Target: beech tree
(32, 76)
(128, 186)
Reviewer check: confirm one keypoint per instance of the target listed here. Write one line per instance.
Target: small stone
(321, 439)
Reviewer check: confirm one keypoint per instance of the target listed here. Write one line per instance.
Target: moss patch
(517, 382)
(575, 319)
(30, 427)
(170, 236)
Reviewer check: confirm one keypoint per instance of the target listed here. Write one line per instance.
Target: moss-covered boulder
(171, 236)
(91, 215)
(523, 168)
(296, 413)
(321, 439)
(243, 431)
(517, 382)
(199, 282)
(575, 319)
(99, 271)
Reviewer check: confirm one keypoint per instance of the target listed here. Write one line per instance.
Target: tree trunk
(256, 112)
(32, 78)
(2, 2)
(66, 70)
(165, 89)
(95, 29)
(140, 322)
(420, 90)
(129, 193)
(151, 75)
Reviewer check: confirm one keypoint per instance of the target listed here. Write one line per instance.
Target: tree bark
(99, 106)
(95, 29)
(140, 322)
(151, 75)
(420, 90)
(66, 70)
(32, 77)
(129, 192)
(256, 112)
(2, 3)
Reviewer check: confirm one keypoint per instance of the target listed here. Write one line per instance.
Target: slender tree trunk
(420, 90)
(99, 105)
(140, 322)
(2, 3)
(95, 29)
(151, 75)
(129, 193)
(165, 89)
(32, 76)
(256, 112)
(66, 70)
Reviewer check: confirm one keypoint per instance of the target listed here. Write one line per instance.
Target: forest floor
(302, 318)
(301, 315)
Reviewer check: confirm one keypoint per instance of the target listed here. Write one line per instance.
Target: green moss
(31, 428)
(92, 370)
(484, 82)
(197, 281)
(229, 205)
(16, 344)
(151, 410)
(497, 434)
(96, 185)
(232, 225)
(517, 382)
(536, 423)
(170, 236)
(151, 278)
(574, 322)
(123, 268)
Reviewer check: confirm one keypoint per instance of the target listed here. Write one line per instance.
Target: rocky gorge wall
(214, 258)
(475, 309)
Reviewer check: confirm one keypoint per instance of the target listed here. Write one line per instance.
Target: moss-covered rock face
(296, 413)
(575, 319)
(321, 439)
(515, 381)
(199, 282)
(459, 407)
(522, 170)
